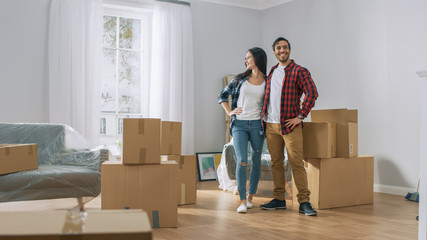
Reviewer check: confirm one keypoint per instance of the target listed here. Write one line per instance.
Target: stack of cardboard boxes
(337, 176)
(152, 175)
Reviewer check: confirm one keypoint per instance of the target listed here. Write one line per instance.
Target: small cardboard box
(187, 178)
(58, 225)
(342, 115)
(18, 157)
(339, 182)
(347, 140)
(141, 141)
(171, 138)
(151, 187)
(319, 140)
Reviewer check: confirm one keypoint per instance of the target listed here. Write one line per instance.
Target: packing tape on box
(181, 162)
(155, 219)
(182, 193)
(74, 222)
(141, 126)
(30, 150)
(170, 147)
(142, 154)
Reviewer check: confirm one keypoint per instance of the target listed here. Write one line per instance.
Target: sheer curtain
(75, 45)
(172, 74)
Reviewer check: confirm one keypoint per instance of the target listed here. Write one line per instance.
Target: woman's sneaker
(249, 204)
(242, 208)
(274, 204)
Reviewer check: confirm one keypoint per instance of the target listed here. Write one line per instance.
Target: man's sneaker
(307, 209)
(242, 208)
(274, 204)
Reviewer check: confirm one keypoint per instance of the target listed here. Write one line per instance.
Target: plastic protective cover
(67, 165)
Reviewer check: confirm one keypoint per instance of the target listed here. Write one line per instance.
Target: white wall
(221, 35)
(23, 60)
(364, 54)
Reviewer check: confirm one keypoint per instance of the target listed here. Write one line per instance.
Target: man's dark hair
(281, 39)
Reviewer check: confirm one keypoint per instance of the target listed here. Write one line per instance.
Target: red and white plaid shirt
(296, 82)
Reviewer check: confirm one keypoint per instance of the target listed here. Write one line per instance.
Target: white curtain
(75, 47)
(172, 74)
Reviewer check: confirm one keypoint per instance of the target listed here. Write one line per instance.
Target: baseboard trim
(395, 190)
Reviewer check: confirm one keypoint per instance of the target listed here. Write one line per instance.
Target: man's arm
(306, 83)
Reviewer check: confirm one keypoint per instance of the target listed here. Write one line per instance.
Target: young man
(283, 114)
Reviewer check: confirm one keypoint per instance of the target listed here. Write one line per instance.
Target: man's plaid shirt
(297, 81)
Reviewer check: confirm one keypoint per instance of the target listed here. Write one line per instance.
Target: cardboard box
(148, 187)
(58, 225)
(141, 141)
(186, 177)
(339, 182)
(334, 115)
(18, 157)
(171, 138)
(347, 140)
(187, 180)
(319, 139)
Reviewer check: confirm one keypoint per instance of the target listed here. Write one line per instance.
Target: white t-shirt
(250, 100)
(273, 109)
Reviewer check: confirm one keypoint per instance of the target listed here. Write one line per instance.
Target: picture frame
(207, 163)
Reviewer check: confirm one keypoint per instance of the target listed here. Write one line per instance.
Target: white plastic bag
(225, 183)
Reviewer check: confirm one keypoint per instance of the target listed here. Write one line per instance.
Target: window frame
(144, 13)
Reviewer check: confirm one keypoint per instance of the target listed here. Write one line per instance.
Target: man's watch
(300, 117)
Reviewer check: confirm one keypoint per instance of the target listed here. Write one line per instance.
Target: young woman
(247, 92)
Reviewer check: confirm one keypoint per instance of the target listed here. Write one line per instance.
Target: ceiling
(254, 4)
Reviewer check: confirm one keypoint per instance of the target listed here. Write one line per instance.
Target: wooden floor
(214, 217)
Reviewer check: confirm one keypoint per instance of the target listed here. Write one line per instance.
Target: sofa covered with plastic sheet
(67, 167)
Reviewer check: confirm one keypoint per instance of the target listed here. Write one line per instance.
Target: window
(125, 69)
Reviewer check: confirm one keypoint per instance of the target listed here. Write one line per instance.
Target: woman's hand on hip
(236, 111)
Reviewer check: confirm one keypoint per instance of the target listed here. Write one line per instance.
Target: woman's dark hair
(260, 61)
(278, 40)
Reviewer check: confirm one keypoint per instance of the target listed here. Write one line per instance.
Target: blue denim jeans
(245, 131)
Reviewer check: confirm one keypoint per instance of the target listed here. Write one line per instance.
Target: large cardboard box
(171, 138)
(149, 187)
(347, 140)
(18, 157)
(141, 141)
(319, 140)
(334, 115)
(59, 225)
(186, 177)
(339, 182)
